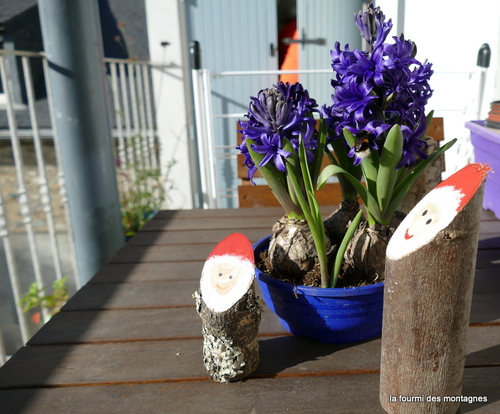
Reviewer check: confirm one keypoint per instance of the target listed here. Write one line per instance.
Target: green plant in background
(142, 200)
(143, 193)
(37, 298)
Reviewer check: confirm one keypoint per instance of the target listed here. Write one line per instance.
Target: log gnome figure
(430, 268)
(229, 310)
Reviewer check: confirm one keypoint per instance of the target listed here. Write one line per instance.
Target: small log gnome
(430, 268)
(229, 310)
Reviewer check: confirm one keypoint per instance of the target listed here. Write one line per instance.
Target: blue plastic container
(330, 315)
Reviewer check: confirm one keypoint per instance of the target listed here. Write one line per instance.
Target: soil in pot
(348, 277)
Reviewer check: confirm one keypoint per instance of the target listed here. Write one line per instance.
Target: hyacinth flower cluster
(375, 125)
(280, 120)
(280, 140)
(378, 115)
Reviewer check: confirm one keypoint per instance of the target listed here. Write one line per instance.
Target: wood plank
(490, 228)
(150, 238)
(488, 259)
(74, 325)
(348, 394)
(485, 308)
(486, 241)
(172, 253)
(129, 362)
(147, 272)
(262, 196)
(216, 213)
(190, 214)
(487, 281)
(313, 395)
(78, 327)
(213, 223)
(488, 215)
(96, 296)
(138, 252)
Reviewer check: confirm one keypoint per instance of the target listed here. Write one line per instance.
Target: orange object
(289, 54)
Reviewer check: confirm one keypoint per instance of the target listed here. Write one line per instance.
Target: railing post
(204, 128)
(483, 62)
(73, 46)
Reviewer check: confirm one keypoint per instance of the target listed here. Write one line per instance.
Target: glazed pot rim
(312, 291)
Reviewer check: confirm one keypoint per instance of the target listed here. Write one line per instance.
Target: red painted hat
(467, 181)
(235, 244)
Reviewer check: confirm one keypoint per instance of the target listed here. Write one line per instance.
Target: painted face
(224, 280)
(225, 276)
(425, 220)
(431, 215)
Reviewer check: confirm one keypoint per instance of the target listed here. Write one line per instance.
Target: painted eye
(428, 221)
(424, 213)
(220, 274)
(230, 276)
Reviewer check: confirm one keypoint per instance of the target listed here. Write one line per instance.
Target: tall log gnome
(430, 268)
(229, 310)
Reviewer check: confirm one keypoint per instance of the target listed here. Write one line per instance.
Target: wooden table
(130, 341)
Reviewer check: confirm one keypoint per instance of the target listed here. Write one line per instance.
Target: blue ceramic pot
(330, 315)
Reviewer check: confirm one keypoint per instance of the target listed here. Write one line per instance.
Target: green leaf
(389, 160)
(368, 199)
(319, 151)
(410, 179)
(342, 156)
(304, 167)
(349, 137)
(369, 164)
(311, 210)
(339, 258)
(331, 170)
(343, 160)
(276, 181)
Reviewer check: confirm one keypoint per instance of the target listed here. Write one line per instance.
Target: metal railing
(33, 204)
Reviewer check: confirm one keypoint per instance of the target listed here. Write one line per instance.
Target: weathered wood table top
(130, 340)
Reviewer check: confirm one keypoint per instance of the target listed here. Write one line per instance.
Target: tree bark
(230, 345)
(427, 301)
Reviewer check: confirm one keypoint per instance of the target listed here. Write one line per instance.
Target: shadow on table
(481, 380)
(291, 355)
(489, 243)
(31, 368)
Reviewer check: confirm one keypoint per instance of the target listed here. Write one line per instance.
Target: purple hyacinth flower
(372, 26)
(283, 111)
(385, 85)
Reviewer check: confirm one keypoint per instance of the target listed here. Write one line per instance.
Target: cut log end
(436, 211)
(224, 280)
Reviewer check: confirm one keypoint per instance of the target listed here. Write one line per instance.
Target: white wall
(164, 22)
(449, 34)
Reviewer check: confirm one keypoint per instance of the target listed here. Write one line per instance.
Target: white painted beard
(220, 298)
(431, 215)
